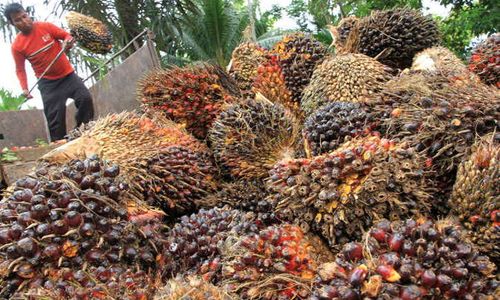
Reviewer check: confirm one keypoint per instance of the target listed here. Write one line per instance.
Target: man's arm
(19, 59)
(60, 34)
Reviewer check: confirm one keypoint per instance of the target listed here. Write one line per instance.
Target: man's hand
(26, 93)
(68, 43)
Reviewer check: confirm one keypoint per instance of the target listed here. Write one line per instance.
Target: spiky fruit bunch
(409, 260)
(245, 60)
(92, 283)
(270, 83)
(246, 195)
(440, 60)
(279, 262)
(90, 33)
(340, 194)
(192, 96)
(349, 77)
(71, 216)
(134, 142)
(440, 119)
(176, 177)
(328, 127)
(476, 193)
(392, 36)
(193, 287)
(125, 138)
(298, 55)
(248, 138)
(192, 243)
(485, 60)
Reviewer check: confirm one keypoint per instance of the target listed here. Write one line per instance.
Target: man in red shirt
(39, 43)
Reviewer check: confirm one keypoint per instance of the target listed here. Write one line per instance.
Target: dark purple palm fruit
(328, 127)
(298, 55)
(71, 216)
(179, 177)
(412, 259)
(392, 36)
(245, 195)
(192, 243)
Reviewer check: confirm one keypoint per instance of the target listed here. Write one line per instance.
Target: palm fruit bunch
(409, 260)
(191, 246)
(348, 78)
(279, 262)
(193, 288)
(485, 60)
(245, 60)
(160, 161)
(440, 119)
(177, 176)
(125, 138)
(476, 193)
(270, 83)
(90, 33)
(71, 216)
(340, 194)
(328, 127)
(245, 195)
(392, 36)
(192, 96)
(440, 60)
(93, 283)
(298, 55)
(343, 29)
(248, 138)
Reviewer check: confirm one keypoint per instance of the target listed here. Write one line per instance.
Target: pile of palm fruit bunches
(372, 173)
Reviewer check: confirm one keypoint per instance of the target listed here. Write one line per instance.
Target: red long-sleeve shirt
(40, 47)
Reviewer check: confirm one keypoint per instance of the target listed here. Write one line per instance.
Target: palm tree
(218, 28)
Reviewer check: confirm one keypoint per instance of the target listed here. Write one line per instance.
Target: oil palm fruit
(298, 55)
(476, 193)
(440, 60)
(192, 244)
(175, 177)
(270, 83)
(408, 260)
(248, 138)
(340, 194)
(485, 60)
(163, 164)
(72, 216)
(92, 283)
(279, 262)
(192, 96)
(245, 195)
(392, 36)
(90, 33)
(245, 60)
(441, 119)
(328, 127)
(347, 78)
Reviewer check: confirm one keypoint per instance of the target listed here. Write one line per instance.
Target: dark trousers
(54, 96)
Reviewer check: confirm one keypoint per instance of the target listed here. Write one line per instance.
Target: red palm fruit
(485, 59)
(185, 94)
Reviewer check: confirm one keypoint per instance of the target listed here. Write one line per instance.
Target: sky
(8, 78)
